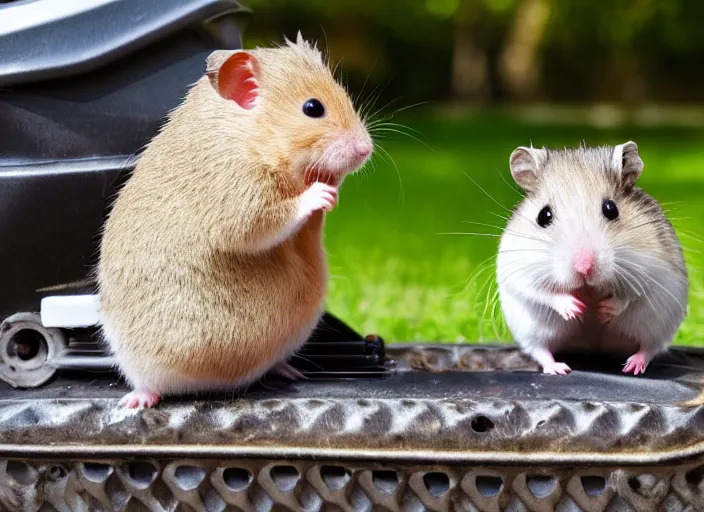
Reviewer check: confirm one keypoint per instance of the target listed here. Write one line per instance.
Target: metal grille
(253, 485)
(440, 439)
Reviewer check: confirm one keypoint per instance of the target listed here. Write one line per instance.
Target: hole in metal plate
(285, 477)
(694, 477)
(96, 472)
(541, 486)
(56, 472)
(642, 483)
(142, 474)
(20, 472)
(593, 485)
(482, 424)
(189, 477)
(237, 479)
(335, 477)
(385, 481)
(437, 483)
(489, 486)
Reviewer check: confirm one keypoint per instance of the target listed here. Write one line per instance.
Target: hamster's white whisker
(367, 102)
(384, 128)
(500, 228)
(494, 235)
(382, 122)
(414, 105)
(506, 230)
(398, 173)
(380, 109)
(629, 280)
(481, 268)
(540, 270)
(519, 192)
(524, 250)
(691, 236)
(366, 80)
(495, 302)
(642, 271)
(493, 199)
(498, 215)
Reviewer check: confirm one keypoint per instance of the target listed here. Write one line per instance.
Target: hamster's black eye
(608, 208)
(313, 108)
(545, 217)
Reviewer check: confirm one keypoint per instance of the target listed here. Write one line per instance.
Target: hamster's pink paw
(287, 371)
(319, 196)
(608, 309)
(569, 307)
(605, 311)
(557, 369)
(636, 364)
(139, 398)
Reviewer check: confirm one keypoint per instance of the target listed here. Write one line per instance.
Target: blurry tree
(519, 60)
(490, 50)
(470, 76)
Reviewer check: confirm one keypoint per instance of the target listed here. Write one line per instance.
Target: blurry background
(461, 83)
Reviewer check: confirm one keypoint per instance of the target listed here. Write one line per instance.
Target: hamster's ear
(627, 162)
(235, 76)
(524, 167)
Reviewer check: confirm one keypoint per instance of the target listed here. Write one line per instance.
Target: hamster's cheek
(308, 147)
(561, 265)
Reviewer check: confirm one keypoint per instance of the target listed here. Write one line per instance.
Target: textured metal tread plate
(441, 433)
(498, 416)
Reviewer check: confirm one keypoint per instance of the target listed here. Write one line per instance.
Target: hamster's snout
(584, 262)
(362, 147)
(356, 148)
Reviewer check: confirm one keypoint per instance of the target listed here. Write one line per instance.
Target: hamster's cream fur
(212, 268)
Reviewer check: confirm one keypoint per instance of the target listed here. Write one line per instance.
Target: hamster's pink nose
(362, 148)
(584, 263)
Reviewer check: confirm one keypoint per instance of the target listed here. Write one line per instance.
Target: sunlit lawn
(395, 274)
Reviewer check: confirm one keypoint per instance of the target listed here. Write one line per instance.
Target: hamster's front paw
(609, 308)
(569, 306)
(319, 196)
(556, 369)
(139, 398)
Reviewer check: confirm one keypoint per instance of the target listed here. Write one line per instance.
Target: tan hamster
(212, 268)
(588, 260)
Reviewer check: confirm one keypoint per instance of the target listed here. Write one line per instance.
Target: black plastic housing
(83, 87)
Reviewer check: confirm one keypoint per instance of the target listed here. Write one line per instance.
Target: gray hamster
(588, 261)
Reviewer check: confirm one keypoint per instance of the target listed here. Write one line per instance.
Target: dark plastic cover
(84, 85)
(48, 39)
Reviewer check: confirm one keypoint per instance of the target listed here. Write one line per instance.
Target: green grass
(395, 274)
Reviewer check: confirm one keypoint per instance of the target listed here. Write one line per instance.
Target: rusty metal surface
(439, 439)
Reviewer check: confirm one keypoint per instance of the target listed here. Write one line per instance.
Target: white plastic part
(70, 311)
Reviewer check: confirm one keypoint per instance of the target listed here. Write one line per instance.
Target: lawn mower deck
(434, 427)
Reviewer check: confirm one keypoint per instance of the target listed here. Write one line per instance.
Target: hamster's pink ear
(524, 164)
(627, 163)
(235, 78)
